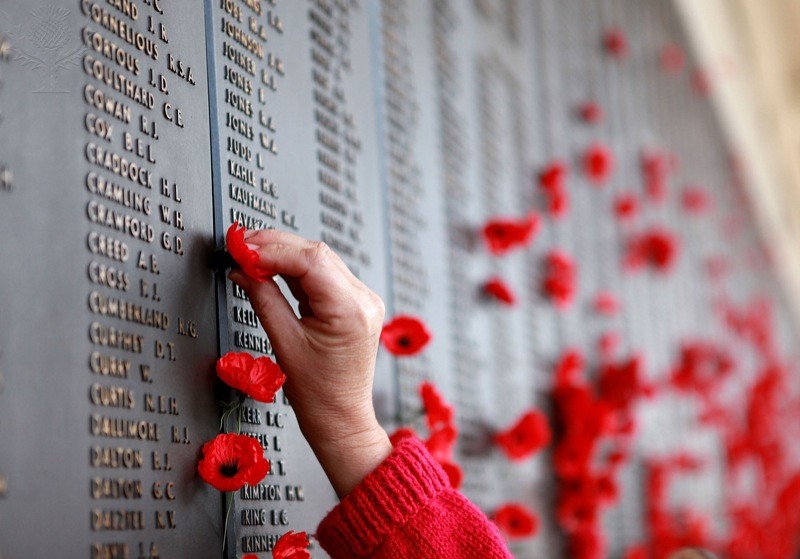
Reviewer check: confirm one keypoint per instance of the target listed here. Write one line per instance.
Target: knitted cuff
(406, 482)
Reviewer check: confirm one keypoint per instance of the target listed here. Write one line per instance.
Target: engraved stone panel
(108, 329)
(293, 120)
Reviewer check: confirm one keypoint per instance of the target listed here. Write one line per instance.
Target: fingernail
(252, 246)
(249, 233)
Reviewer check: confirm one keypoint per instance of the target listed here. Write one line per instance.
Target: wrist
(348, 456)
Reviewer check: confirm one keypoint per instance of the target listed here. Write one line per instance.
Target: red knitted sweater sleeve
(407, 509)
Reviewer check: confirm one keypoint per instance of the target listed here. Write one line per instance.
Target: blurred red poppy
(440, 442)
(528, 435)
(591, 112)
(616, 43)
(657, 248)
(502, 235)
(626, 206)
(500, 291)
(606, 303)
(438, 413)
(559, 282)
(454, 473)
(516, 521)
(598, 164)
(405, 335)
(672, 58)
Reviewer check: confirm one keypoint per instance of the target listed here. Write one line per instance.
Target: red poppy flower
(232, 461)
(606, 303)
(454, 473)
(695, 200)
(672, 58)
(608, 343)
(621, 383)
(553, 176)
(716, 267)
(516, 521)
(502, 235)
(405, 335)
(702, 366)
(258, 378)
(591, 112)
(616, 43)
(598, 164)
(291, 545)
(656, 166)
(626, 206)
(587, 543)
(440, 442)
(438, 413)
(569, 367)
(657, 248)
(552, 182)
(528, 435)
(245, 257)
(701, 81)
(500, 291)
(559, 282)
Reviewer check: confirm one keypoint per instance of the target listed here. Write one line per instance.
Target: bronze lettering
(116, 339)
(115, 488)
(117, 520)
(112, 396)
(102, 426)
(115, 458)
(118, 550)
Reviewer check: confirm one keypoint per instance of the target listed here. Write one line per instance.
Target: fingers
(692, 554)
(312, 269)
(273, 236)
(273, 310)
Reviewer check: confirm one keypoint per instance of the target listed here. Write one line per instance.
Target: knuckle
(319, 253)
(370, 310)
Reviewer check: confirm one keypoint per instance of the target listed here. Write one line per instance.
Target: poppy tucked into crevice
(552, 183)
(656, 248)
(672, 58)
(606, 303)
(516, 521)
(591, 112)
(498, 290)
(245, 257)
(616, 43)
(258, 378)
(405, 336)
(528, 435)
(442, 432)
(695, 200)
(560, 279)
(291, 545)
(626, 206)
(598, 164)
(232, 461)
(503, 235)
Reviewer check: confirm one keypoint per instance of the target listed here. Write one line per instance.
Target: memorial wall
(133, 133)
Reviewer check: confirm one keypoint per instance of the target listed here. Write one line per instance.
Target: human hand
(328, 354)
(695, 553)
